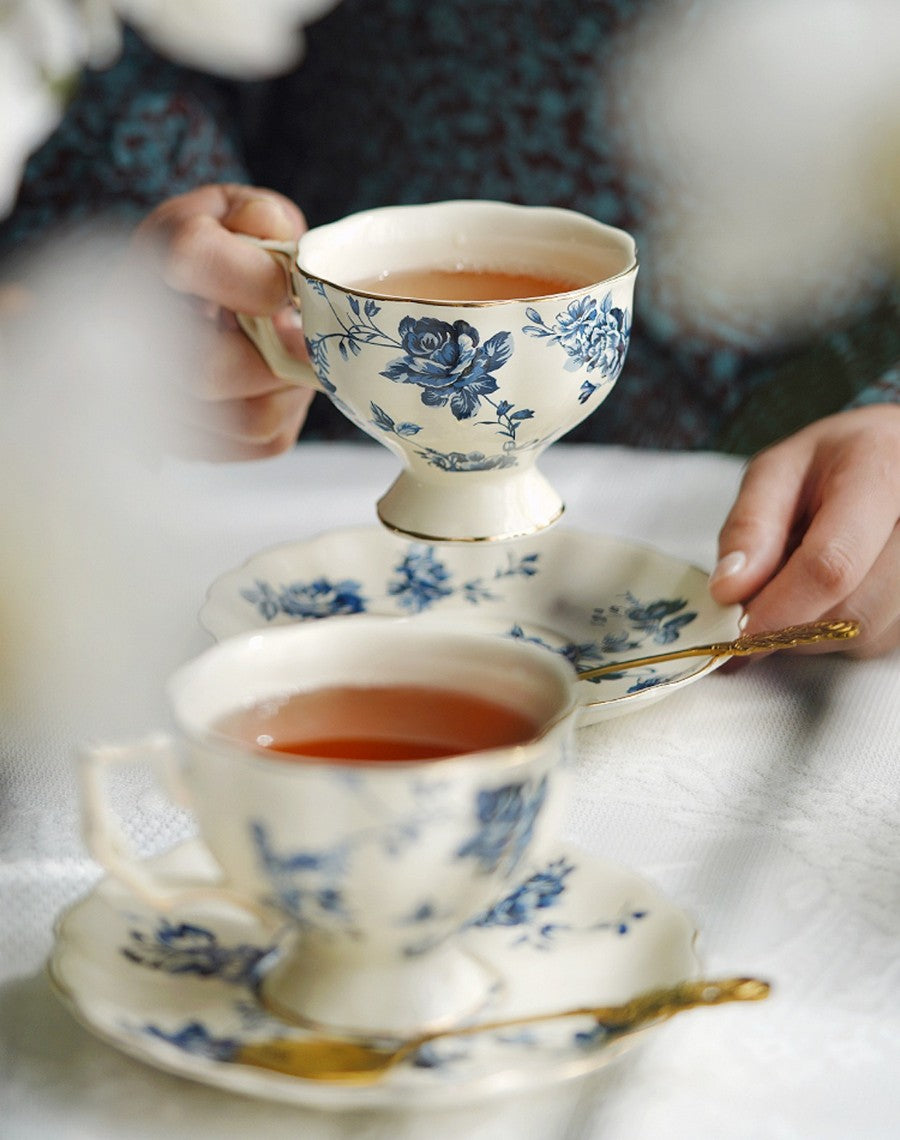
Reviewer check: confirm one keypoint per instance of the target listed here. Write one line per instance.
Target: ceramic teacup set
(367, 786)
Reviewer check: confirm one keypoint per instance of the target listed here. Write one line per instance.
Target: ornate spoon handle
(345, 1061)
(793, 635)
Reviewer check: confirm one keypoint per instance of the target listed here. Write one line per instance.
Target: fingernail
(731, 564)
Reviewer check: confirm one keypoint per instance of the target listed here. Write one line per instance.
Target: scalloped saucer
(591, 597)
(180, 992)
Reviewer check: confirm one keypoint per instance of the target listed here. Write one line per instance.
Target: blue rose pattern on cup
(451, 366)
(454, 368)
(449, 363)
(308, 883)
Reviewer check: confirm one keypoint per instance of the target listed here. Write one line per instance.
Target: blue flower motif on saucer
(186, 948)
(525, 908)
(506, 819)
(539, 892)
(422, 579)
(661, 620)
(593, 334)
(320, 598)
(627, 627)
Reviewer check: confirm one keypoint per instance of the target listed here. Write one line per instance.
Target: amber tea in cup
(358, 723)
(468, 284)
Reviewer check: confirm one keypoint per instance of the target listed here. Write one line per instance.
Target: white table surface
(763, 801)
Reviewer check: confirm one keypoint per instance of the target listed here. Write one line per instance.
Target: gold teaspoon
(343, 1061)
(788, 638)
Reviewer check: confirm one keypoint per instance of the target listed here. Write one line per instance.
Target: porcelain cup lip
(386, 228)
(535, 664)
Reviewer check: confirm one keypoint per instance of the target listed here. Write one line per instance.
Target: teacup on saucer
(181, 993)
(366, 787)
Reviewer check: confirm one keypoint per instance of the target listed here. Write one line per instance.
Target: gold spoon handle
(653, 1005)
(345, 1061)
(788, 638)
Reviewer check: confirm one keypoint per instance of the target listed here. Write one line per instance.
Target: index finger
(855, 517)
(196, 239)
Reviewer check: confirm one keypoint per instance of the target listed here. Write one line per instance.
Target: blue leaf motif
(304, 883)
(465, 401)
(540, 891)
(498, 349)
(196, 1039)
(381, 419)
(671, 630)
(506, 819)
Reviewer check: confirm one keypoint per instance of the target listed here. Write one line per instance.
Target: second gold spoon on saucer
(767, 642)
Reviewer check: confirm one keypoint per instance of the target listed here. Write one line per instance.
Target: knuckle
(831, 569)
(257, 420)
(266, 421)
(278, 444)
(741, 527)
(186, 254)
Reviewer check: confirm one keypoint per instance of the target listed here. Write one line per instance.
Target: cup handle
(109, 845)
(261, 331)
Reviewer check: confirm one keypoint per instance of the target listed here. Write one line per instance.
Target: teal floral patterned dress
(400, 101)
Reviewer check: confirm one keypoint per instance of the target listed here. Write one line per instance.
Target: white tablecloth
(763, 801)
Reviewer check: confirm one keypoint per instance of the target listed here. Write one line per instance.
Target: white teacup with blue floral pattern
(468, 394)
(370, 870)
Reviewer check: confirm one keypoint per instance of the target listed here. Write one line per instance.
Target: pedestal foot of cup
(374, 997)
(470, 506)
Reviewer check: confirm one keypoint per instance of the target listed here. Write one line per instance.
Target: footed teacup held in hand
(368, 867)
(466, 337)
